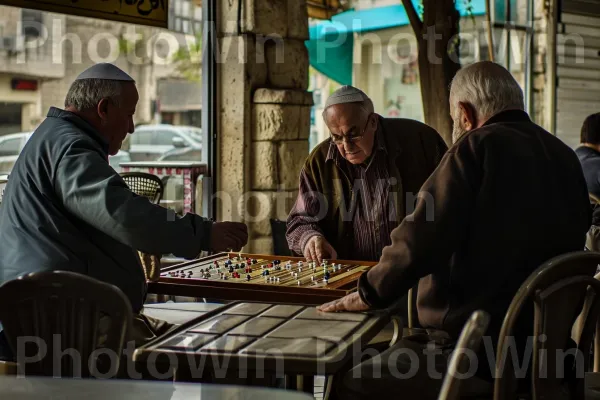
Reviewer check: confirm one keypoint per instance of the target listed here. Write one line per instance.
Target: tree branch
(413, 17)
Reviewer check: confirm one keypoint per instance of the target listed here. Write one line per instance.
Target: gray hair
(488, 87)
(85, 94)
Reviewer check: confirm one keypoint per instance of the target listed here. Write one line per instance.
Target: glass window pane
(177, 7)
(178, 24)
(186, 9)
(143, 137)
(198, 13)
(165, 138)
(10, 147)
(185, 26)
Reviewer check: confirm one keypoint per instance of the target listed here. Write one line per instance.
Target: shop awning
(323, 9)
(331, 43)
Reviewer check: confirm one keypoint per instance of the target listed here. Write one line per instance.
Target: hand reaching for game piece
(317, 249)
(351, 302)
(226, 236)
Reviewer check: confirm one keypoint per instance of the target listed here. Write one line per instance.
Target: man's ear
(467, 115)
(374, 121)
(102, 109)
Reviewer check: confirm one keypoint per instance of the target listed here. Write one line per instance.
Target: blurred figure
(589, 154)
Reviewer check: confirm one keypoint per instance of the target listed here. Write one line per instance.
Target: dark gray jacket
(66, 208)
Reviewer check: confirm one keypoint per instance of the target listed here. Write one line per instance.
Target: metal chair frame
(469, 341)
(548, 287)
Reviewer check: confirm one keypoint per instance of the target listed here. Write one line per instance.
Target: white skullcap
(105, 71)
(347, 94)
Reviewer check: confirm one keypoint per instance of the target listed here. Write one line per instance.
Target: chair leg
(597, 348)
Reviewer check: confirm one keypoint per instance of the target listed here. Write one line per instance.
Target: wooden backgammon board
(256, 277)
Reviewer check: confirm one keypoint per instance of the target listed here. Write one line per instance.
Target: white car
(151, 142)
(11, 146)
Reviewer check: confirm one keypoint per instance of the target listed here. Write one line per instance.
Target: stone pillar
(264, 113)
(540, 64)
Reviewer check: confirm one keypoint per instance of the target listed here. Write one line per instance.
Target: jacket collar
(80, 123)
(508, 116)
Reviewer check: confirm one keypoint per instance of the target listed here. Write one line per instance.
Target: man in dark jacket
(358, 185)
(589, 154)
(65, 208)
(508, 197)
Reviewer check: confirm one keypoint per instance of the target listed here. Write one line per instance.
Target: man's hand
(317, 249)
(228, 236)
(351, 302)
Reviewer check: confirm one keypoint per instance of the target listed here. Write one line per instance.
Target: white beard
(457, 131)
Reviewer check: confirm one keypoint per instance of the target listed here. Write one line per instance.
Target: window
(10, 147)
(33, 21)
(165, 138)
(142, 137)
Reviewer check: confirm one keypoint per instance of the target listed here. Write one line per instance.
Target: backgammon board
(256, 277)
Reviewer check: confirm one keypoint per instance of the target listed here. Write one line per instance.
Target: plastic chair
(64, 324)
(152, 187)
(468, 342)
(144, 184)
(558, 291)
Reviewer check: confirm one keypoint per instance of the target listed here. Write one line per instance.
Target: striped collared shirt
(373, 214)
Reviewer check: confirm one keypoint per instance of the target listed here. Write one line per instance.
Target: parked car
(12, 144)
(151, 142)
(10, 148)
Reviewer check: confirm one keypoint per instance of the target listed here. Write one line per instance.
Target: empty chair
(468, 342)
(65, 324)
(144, 184)
(152, 187)
(557, 291)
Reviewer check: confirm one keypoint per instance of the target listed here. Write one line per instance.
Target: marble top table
(14, 388)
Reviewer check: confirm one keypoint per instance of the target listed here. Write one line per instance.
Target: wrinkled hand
(317, 249)
(351, 302)
(228, 236)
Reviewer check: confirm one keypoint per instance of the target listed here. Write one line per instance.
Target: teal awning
(331, 43)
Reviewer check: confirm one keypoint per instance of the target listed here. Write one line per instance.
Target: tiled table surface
(179, 313)
(309, 342)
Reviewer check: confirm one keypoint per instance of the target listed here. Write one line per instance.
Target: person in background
(508, 197)
(589, 154)
(65, 208)
(356, 186)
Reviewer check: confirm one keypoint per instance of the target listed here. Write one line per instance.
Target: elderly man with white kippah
(65, 208)
(358, 185)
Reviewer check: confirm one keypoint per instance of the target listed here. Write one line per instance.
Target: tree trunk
(438, 44)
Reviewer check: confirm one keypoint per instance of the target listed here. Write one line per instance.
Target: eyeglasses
(339, 139)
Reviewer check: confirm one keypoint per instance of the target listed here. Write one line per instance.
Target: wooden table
(259, 343)
(75, 389)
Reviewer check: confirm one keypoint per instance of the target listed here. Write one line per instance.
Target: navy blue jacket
(590, 162)
(66, 208)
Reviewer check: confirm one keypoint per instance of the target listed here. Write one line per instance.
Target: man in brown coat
(508, 196)
(357, 186)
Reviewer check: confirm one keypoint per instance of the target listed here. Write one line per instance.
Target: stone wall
(264, 112)
(540, 64)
